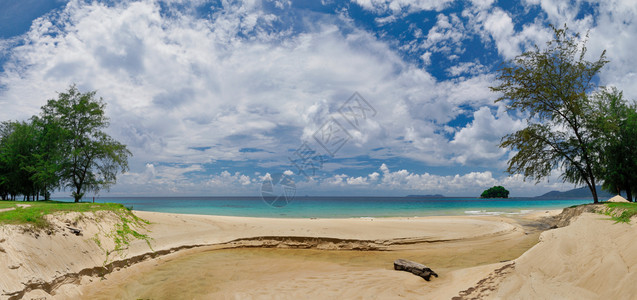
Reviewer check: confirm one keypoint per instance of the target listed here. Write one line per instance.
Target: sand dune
(593, 258)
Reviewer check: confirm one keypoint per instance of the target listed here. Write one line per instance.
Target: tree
(5, 131)
(7, 163)
(614, 121)
(552, 86)
(48, 157)
(89, 158)
(18, 148)
(495, 192)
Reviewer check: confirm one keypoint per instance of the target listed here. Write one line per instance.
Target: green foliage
(47, 165)
(551, 86)
(123, 234)
(91, 158)
(495, 192)
(19, 150)
(615, 121)
(621, 212)
(64, 147)
(34, 214)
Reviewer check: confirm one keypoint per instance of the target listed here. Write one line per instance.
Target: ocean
(339, 207)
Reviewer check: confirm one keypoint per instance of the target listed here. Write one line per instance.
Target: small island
(495, 192)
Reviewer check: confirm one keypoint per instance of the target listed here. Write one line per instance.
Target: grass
(124, 233)
(33, 216)
(621, 212)
(7, 204)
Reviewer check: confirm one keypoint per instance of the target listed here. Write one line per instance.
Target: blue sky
(214, 96)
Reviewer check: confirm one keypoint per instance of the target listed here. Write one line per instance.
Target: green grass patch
(7, 204)
(34, 215)
(621, 212)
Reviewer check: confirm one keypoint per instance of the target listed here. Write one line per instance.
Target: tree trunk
(629, 195)
(415, 268)
(594, 190)
(77, 195)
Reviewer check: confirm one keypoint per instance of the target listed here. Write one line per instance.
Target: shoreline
(347, 207)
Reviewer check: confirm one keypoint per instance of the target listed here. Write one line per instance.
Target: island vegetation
(65, 146)
(495, 192)
(586, 131)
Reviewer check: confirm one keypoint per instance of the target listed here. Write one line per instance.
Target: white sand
(593, 258)
(175, 230)
(617, 198)
(37, 261)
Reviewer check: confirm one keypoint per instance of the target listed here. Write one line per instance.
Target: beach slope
(592, 258)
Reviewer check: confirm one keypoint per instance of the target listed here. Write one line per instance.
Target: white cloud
(466, 68)
(482, 3)
(477, 144)
(495, 24)
(610, 28)
(472, 183)
(615, 32)
(165, 180)
(426, 58)
(183, 91)
(187, 90)
(401, 6)
(446, 35)
(226, 179)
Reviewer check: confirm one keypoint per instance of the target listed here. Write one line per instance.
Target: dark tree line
(587, 132)
(63, 147)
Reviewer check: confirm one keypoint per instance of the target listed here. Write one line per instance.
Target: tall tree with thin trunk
(551, 86)
(90, 158)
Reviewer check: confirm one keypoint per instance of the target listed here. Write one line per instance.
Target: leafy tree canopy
(614, 121)
(495, 192)
(90, 158)
(551, 86)
(64, 147)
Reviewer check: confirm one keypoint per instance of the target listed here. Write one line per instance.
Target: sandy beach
(206, 257)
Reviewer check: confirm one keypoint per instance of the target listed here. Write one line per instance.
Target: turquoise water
(340, 207)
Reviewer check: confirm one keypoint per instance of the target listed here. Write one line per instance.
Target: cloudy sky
(212, 96)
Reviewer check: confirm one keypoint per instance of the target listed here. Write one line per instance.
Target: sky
(361, 97)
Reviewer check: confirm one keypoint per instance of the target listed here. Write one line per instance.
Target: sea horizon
(337, 206)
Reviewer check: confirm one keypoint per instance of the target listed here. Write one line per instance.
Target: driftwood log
(415, 268)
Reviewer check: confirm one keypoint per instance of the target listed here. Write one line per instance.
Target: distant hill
(426, 196)
(580, 193)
